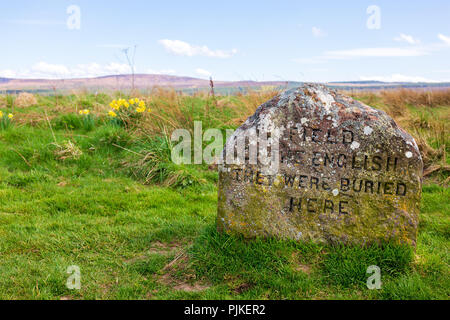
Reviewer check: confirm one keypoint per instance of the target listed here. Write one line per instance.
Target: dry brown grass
(67, 150)
(425, 115)
(25, 100)
(251, 101)
(422, 98)
(169, 111)
(173, 110)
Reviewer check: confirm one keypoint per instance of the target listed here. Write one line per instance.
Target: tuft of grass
(25, 100)
(347, 266)
(107, 136)
(408, 287)
(70, 121)
(23, 179)
(10, 101)
(67, 151)
(88, 121)
(151, 164)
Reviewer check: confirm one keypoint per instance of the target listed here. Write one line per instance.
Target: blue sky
(230, 40)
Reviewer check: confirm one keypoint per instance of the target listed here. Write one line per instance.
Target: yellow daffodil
(142, 104)
(80, 112)
(10, 116)
(126, 104)
(131, 101)
(112, 114)
(86, 111)
(1, 114)
(115, 105)
(140, 109)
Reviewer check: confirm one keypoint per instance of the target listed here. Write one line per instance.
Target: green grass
(136, 241)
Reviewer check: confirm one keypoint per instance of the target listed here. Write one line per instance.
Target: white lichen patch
(367, 130)
(413, 143)
(335, 192)
(354, 145)
(408, 154)
(326, 98)
(303, 120)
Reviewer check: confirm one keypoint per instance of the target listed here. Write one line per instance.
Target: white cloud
(50, 69)
(407, 38)
(8, 74)
(182, 48)
(396, 78)
(203, 72)
(445, 39)
(95, 69)
(317, 32)
(44, 70)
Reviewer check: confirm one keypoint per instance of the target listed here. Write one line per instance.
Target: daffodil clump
(87, 119)
(122, 111)
(5, 120)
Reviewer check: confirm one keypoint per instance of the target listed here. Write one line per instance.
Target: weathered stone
(346, 173)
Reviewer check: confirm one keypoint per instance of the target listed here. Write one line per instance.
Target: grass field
(101, 193)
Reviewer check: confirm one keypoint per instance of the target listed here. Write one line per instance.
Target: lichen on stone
(346, 173)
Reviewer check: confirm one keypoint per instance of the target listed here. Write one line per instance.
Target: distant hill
(379, 85)
(148, 81)
(120, 82)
